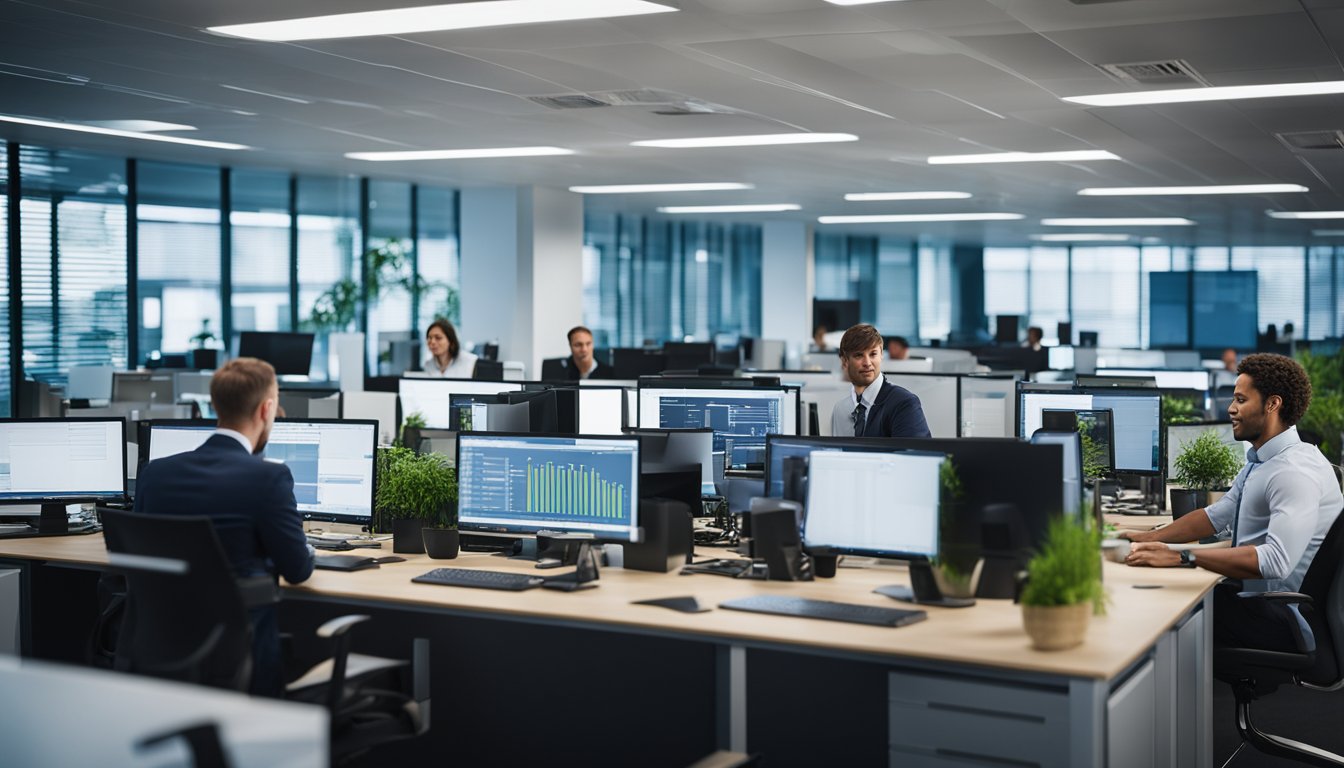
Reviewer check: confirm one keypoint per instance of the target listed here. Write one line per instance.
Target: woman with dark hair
(447, 359)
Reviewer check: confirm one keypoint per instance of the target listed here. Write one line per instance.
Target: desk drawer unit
(10, 607)
(948, 721)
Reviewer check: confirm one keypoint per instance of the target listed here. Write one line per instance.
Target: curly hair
(1282, 376)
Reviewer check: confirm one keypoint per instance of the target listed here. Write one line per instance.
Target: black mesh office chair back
(1318, 662)
(210, 644)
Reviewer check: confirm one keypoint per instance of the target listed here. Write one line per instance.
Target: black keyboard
(825, 609)
(467, 577)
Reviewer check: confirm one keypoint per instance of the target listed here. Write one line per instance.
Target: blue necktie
(1236, 520)
(859, 417)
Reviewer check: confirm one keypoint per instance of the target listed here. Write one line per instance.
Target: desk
(963, 683)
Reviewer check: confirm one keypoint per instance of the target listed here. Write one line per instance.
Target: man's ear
(1273, 403)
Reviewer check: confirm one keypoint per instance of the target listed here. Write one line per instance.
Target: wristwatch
(1187, 559)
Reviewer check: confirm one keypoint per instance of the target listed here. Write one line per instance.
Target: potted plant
(411, 425)
(1063, 586)
(418, 492)
(956, 569)
(203, 357)
(1205, 464)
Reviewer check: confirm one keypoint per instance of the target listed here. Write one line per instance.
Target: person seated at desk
(898, 348)
(1034, 336)
(447, 359)
(875, 407)
(819, 338)
(581, 364)
(250, 500)
(1277, 513)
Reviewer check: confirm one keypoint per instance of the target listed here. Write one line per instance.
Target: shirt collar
(869, 394)
(239, 436)
(1274, 446)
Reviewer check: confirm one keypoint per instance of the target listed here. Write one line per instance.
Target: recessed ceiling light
(1023, 157)
(80, 128)
(1081, 237)
(437, 18)
(747, 141)
(1224, 93)
(1226, 189)
(1170, 221)
(142, 126)
(459, 154)
(264, 93)
(1328, 232)
(1306, 214)
(918, 217)
(635, 189)
(864, 196)
(758, 208)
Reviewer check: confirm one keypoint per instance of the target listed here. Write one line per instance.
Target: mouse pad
(683, 604)
(352, 562)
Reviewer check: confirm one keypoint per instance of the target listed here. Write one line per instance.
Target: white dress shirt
(1283, 501)
(842, 417)
(239, 436)
(462, 366)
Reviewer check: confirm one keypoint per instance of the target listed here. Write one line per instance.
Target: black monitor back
(290, 353)
(553, 369)
(835, 314)
(1005, 329)
(688, 356)
(488, 370)
(543, 409)
(633, 362)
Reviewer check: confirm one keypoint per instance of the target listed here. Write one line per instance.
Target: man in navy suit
(250, 500)
(875, 407)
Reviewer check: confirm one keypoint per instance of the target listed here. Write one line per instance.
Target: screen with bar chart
(529, 483)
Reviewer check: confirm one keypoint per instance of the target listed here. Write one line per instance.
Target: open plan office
(672, 383)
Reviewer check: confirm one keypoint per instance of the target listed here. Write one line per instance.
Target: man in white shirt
(1276, 515)
(875, 407)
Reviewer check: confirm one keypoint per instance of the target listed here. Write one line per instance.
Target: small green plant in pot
(419, 493)
(411, 424)
(956, 569)
(1063, 586)
(1204, 464)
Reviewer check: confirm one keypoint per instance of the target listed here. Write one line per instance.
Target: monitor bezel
(1025, 388)
(312, 348)
(516, 386)
(91, 498)
(635, 532)
(625, 412)
(373, 486)
(783, 389)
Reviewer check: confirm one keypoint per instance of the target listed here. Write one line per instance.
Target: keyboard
(827, 610)
(467, 577)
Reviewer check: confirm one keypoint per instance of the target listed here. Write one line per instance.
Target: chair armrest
(1301, 628)
(340, 625)
(257, 591)
(1277, 597)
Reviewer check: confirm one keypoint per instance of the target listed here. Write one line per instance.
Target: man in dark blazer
(250, 500)
(875, 407)
(581, 364)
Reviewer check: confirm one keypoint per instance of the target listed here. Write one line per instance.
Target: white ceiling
(911, 79)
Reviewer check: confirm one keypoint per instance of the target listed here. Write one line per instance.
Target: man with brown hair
(250, 500)
(1277, 513)
(875, 407)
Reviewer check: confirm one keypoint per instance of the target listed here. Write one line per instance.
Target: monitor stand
(923, 589)
(52, 520)
(551, 549)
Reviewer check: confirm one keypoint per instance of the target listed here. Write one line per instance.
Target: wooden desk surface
(988, 634)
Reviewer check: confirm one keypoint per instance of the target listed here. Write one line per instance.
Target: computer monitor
(740, 418)
(1197, 379)
(687, 355)
(679, 447)
(601, 410)
(1072, 446)
(1005, 329)
(1059, 358)
(89, 382)
(876, 504)
(521, 484)
(290, 353)
(137, 387)
(332, 464)
(544, 409)
(432, 398)
(835, 314)
(488, 370)
(169, 437)
(987, 406)
(54, 462)
(1136, 420)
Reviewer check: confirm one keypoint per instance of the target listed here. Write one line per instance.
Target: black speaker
(775, 539)
(667, 537)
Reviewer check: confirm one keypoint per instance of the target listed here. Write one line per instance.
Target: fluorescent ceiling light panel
(918, 217)
(1225, 93)
(1170, 221)
(142, 126)
(636, 189)
(1328, 232)
(438, 18)
(756, 208)
(859, 2)
(80, 128)
(1226, 189)
(866, 196)
(1306, 214)
(1024, 157)
(240, 89)
(747, 141)
(459, 154)
(1081, 237)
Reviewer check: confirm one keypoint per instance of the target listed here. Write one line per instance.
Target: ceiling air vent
(568, 101)
(1170, 72)
(1313, 139)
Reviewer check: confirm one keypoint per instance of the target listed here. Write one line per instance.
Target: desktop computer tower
(667, 537)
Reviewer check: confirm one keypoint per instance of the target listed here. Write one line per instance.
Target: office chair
(1318, 663)
(186, 619)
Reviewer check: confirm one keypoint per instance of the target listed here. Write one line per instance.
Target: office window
(739, 309)
(935, 291)
(179, 266)
(438, 258)
(846, 268)
(1153, 258)
(1320, 294)
(390, 238)
(645, 258)
(260, 253)
(1282, 284)
(1105, 285)
(1207, 259)
(1007, 286)
(74, 261)
(329, 241)
(6, 402)
(1049, 286)
(897, 289)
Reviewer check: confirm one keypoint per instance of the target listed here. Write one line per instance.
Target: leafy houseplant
(411, 425)
(1063, 586)
(1325, 413)
(1204, 464)
(418, 491)
(956, 569)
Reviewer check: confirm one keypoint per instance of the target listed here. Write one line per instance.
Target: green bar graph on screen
(572, 490)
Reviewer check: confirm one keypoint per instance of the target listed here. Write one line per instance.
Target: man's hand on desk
(1154, 554)
(1138, 536)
